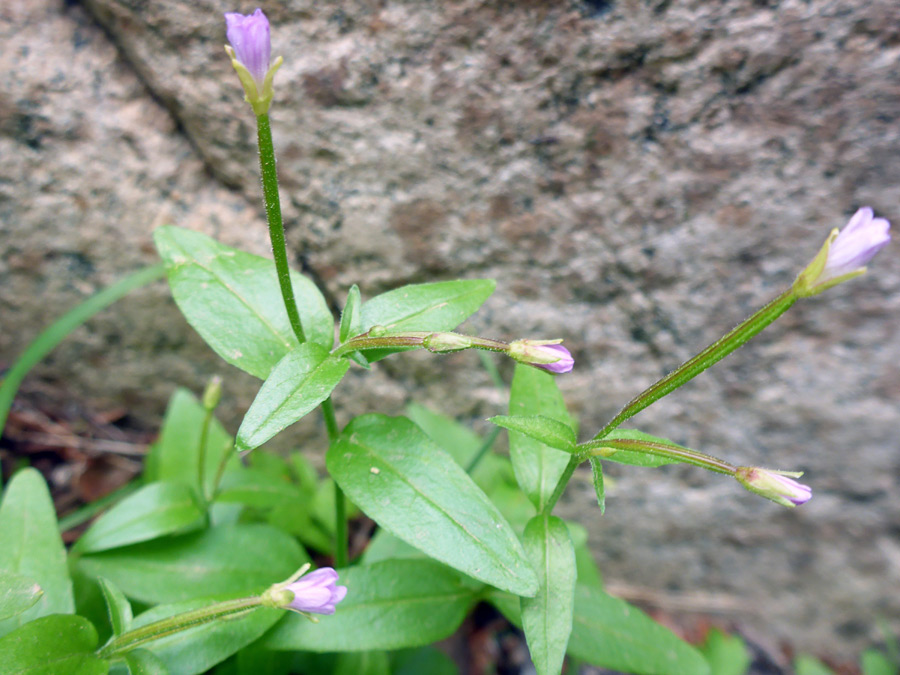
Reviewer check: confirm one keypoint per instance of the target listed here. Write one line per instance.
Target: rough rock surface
(638, 177)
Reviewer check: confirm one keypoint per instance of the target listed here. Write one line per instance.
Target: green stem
(220, 471)
(276, 227)
(684, 455)
(44, 343)
(341, 544)
(201, 454)
(712, 354)
(483, 450)
(561, 484)
(173, 624)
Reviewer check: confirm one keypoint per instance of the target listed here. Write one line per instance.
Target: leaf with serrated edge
(412, 488)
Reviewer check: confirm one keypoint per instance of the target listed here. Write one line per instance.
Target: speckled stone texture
(638, 177)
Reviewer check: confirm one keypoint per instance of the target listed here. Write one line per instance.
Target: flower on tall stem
(251, 51)
(547, 355)
(779, 486)
(845, 253)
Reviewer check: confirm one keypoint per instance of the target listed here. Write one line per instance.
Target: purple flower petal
(249, 37)
(563, 365)
(856, 244)
(317, 592)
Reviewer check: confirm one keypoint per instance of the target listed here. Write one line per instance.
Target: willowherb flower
(251, 52)
(316, 592)
(845, 253)
(779, 486)
(547, 355)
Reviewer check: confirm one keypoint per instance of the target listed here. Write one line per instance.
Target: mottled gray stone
(638, 177)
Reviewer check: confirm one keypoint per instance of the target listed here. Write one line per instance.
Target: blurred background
(638, 175)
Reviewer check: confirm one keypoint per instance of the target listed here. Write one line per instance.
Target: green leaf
(385, 546)
(438, 306)
(226, 559)
(805, 664)
(643, 459)
(175, 456)
(258, 489)
(412, 488)
(389, 605)
(362, 663)
(153, 511)
(599, 489)
(542, 429)
(462, 444)
(198, 649)
(31, 547)
(537, 466)
(145, 662)
(52, 645)
(428, 660)
(233, 300)
(726, 654)
(117, 606)
(298, 384)
(873, 662)
(351, 317)
(547, 617)
(610, 633)
(17, 593)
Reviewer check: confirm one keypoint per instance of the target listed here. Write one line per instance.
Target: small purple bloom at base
(856, 244)
(317, 592)
(779, 486)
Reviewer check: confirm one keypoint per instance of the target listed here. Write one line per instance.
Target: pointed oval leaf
(412, 488)
(52, 644)
(117, 606)
(599, 488)
(391, 604)
(17, 593)
(32, 547)
(176, 455)
(297, 385)
(351, 317)
(233, 300)
(543, 429)
(225, 559)
(153, 511)
(547, 617)
(538, 466)
(437, 306)
(610, 633)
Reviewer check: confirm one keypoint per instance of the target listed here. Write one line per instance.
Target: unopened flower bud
(845, 253)
(547, 355)
(779, 486)
(213, 393)
(316, 592)
(250, 52)
(446, 342)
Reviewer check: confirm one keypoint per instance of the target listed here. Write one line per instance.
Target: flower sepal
(260, 101)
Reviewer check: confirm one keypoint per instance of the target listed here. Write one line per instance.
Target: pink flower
(249, 37)
(779, 486)
(316, 592)
(547, 355)
(844, 254)
(856, 244)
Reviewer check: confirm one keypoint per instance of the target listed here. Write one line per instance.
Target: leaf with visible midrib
(416, 491)
(233, 300)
